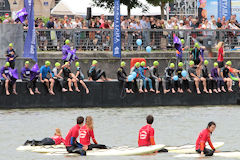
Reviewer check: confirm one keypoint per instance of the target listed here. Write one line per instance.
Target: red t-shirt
(144, 135)
(220, 55)
(73, 132)
(203, 137)
(58, 140)
(85, 135)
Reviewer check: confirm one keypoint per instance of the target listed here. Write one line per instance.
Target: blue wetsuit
(46, 71)
(145, 79)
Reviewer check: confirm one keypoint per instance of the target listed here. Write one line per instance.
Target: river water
(174, 126)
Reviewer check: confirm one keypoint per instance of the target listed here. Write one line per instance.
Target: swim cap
(66, 63)
(143, 63)
(123, 64)
(27, 62)
(47, 63)
(182, 41)
(191, 63)
(7, 64)
(67, 41)
(10, 45)
(215, 64)
(206, 62)
(137, 64)
(196, 45)
(229, 63)
(57, 64)
(180, 64)
(155, 63)
(77, 64)
(94, 62)
(172, 65)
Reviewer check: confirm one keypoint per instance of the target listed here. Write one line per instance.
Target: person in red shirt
(71, 143)
(146, 133)
(203, 137)
(86, 132)
(55, 140)
(221, 53)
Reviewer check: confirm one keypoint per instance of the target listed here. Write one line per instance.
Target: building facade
(42, 8)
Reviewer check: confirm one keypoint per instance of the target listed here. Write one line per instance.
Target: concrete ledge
(109, 94)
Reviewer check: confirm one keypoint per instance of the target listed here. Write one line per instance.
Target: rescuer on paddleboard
(203, 137)
(86, 132)
(71, 143)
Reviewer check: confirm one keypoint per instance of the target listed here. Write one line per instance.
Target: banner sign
(30, 49)
(117, 30)
(224, 8)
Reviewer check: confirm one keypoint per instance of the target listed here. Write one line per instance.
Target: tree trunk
(129, 11)
(162, 10)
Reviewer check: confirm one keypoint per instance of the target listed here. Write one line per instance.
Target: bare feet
(215, 91)
(14, 92)
(77, 90)
(51, 92)
(7, 93)
(70, 90)
(152, 90)
(223, 89)
(166, 91)
(157, 92)
(219, 90)
(205, 91)
(210, 91)
(145, 90)
(189, 91)
(173, 91)
(140, 91)
(31, 92)
(131, 91)
(87, 91)
(64, 90)
(127, 91)
(198, 91)
(230, 90)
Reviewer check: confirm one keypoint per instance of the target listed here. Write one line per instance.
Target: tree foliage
(109, 4)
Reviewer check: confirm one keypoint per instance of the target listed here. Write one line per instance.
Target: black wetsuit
(96, 74)
(168, 78)
(66, 76)
(207, 152)
(122, 76)
(205, 74)
(45, 141)
(196, 55)
(225, 71)
(181, 83)
(9, 55)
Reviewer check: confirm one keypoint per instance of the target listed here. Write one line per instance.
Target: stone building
(42, 8)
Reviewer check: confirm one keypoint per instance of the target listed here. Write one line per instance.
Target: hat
(155, 63)
(191, 63)
(10, 45)
(57, 64)
(27, 62)
(123, 64)
(143, 63)
(94, 62)
(229, 63)
(47, 63)
(137, 64)
(206, 62)
(180, 64)
(67, 41)
(215, 64)
(7, 64)
(77, 64)
(172, 65)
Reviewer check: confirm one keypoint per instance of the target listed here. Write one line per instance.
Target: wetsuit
(80, 75)
(46, 71)
(66, 76)
(144, 78)
(168, 83)
(96, 74)
(154, 76)
(196, 55)
(85, 135)
(182, 82)
(55, 72)
(205, 74)
(204, 137)
(29, 77)
(71, 143)
(122, 76)
(6, 71)
(217, 80)
(138, 80)
(193, 71)
(9, 55)
(55, 140)
(33, 80)
(225, 72)
(25, 74)
(65, 50)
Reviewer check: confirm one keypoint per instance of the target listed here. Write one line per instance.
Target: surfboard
(188, 149)
(116, 151)
(221, 154)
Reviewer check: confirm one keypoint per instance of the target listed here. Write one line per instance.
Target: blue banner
(117, 30)
(30, 49)
(224, 9)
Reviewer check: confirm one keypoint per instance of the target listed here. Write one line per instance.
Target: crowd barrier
(158, 39)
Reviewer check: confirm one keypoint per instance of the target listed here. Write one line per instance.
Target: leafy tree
(109, 4)
(161, 3)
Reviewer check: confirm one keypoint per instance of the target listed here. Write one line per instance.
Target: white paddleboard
(188, 149)
(221, 154)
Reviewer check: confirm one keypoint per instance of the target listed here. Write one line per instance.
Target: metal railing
(158, 39)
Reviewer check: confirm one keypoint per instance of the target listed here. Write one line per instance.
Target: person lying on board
(146, 134)
(71, 143)
(55, 140)
(86, 132)
(203, 137)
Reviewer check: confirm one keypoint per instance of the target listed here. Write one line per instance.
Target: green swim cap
(196, 45)
(180, 64)
(66, 63)
(206, 62)
(143, 63)
(191, 63)
(10, 45)
(215, 64)
(94, 62)
(7, 64)
(57, 64)
(229, 63)
(137, 64)
(155, 63)
(47, 63)
(172, 65)
(182, 41)
(77, 64)
(67, 41)
(27, 62)
(123, 64)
